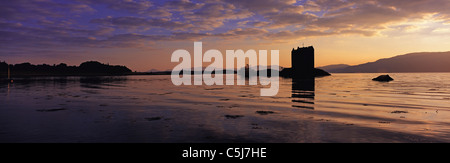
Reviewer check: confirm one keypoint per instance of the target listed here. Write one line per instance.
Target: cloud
(264, 6)
(219, 11)
(212, 15)
(280, 20)
(132, 23)
(34, 9)
(362, 15)
(195, 17)
(260, 23)
(182, 5)
(42, 24)
(132, 6)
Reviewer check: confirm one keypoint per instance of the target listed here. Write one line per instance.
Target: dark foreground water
(415, 107)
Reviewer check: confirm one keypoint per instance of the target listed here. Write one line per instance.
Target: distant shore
(94, 68)
(89, 68)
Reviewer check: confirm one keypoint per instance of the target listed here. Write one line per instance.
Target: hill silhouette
(86, 68)
(333, 67)
(412, 62)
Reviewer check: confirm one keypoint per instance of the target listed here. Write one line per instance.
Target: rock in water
(383, 78)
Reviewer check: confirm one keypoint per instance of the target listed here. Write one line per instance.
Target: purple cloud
(34, 25)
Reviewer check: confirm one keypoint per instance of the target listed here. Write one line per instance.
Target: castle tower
(302, 60)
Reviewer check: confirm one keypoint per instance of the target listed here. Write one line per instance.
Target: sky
(142, 35)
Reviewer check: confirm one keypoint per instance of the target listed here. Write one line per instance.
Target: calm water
(415, 107)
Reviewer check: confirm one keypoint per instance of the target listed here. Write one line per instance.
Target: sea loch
(217, 67)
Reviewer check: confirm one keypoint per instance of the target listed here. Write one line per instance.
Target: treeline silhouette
(86, 68)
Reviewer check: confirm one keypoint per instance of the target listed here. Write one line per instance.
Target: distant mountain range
(334, 67)
(412, 62)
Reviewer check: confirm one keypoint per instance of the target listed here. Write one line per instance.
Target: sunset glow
(143, 34)
(229, 79)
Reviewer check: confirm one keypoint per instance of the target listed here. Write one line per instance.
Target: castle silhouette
(302, 61)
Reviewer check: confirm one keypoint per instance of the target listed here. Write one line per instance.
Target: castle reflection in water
(303, 93)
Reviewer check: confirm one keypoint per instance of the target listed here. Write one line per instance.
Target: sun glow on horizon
(143, 34)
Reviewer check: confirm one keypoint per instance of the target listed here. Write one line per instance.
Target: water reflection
(303, 93)
(9, 88)
(348, 108)
(99, 82)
